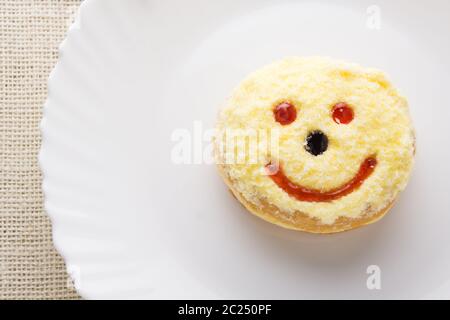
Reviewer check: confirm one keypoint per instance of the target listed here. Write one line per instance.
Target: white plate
(132, 224)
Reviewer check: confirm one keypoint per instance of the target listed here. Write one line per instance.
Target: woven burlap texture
(30, 32)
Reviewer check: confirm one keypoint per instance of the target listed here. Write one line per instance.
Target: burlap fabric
(30, 31)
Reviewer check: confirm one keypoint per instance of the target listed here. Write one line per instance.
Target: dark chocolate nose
(316, 142)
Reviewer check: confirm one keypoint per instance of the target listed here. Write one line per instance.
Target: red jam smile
(312, 195)
(285, 113)
(342, 113)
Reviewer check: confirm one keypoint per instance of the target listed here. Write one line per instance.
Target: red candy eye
(343, 113)
(285, 113)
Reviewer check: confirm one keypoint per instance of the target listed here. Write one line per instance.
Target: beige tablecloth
(30, 31)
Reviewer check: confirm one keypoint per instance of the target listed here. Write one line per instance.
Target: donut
(315, 144)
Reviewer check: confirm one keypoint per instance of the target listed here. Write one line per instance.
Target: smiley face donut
(315, 144)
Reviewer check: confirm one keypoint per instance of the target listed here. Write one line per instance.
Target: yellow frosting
(381, 127)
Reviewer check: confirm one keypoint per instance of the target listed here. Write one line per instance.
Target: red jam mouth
(312, 195)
